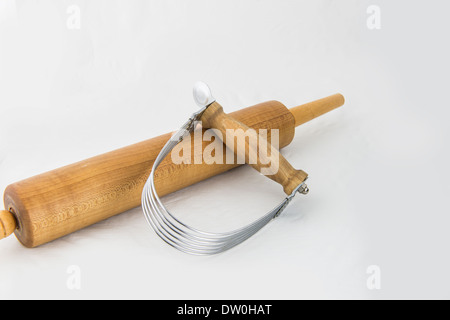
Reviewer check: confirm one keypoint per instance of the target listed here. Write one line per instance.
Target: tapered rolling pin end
(7, 223)
(311, 110)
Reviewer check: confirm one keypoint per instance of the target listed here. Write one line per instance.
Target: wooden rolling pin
(53, 204)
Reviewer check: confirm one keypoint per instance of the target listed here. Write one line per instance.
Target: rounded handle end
(202, 94)
(7, 224)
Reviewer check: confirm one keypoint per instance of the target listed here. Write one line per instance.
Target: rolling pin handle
(7, 223)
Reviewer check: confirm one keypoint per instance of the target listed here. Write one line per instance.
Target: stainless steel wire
(186, 238)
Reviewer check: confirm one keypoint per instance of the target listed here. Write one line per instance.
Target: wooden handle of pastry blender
(268, 162)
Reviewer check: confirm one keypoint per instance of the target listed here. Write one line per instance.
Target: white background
(378, 166)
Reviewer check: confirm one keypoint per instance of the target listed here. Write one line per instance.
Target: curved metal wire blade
(186, 238)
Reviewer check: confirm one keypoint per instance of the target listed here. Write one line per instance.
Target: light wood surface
(280, 170)
(7, 223)
(314, 109)
(56, 203)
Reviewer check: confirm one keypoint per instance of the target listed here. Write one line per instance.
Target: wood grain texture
(56, 203)
(7, 223)
(61, 201)
(314, 109)
(254, 148)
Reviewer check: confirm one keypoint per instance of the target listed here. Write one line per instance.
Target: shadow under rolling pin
(53, 204)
